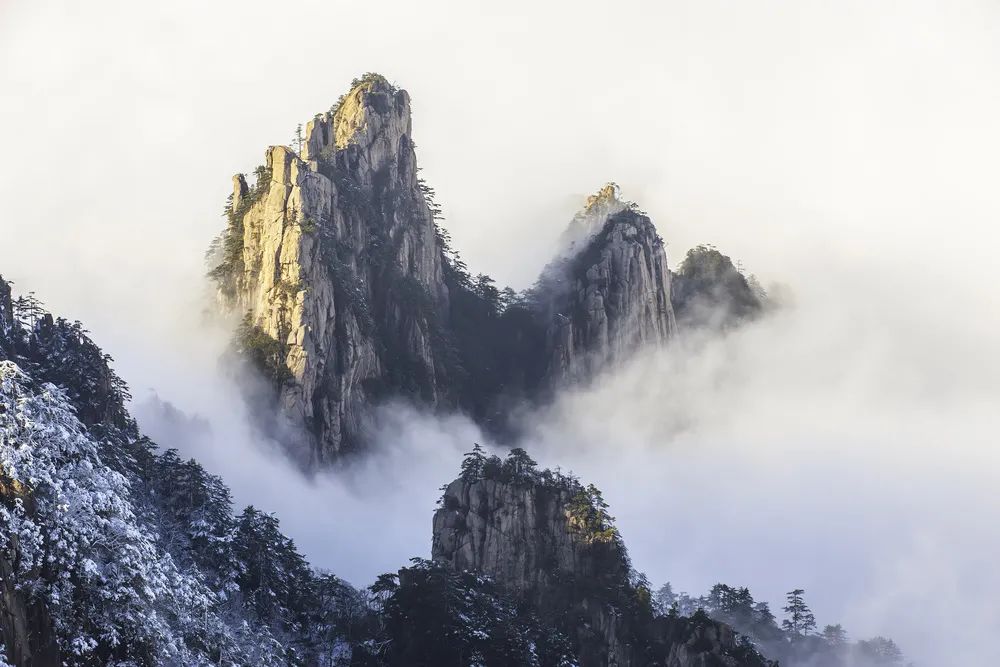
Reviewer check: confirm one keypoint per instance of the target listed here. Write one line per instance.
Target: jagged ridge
(351, 293)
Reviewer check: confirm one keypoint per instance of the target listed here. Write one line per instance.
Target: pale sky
(847, 150)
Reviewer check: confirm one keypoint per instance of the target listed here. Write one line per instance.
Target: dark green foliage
(274, 579)
(496, 342)
(589, 515)
(226, 251)
(342, 616)
(194, 514)
(800, 619)
(518, 467)
(473, 463)
(709, 290)
(61, 352)
(433, 617)
(499, 341)
(265, 352)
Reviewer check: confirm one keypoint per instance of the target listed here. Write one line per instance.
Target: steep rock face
(339, 270)
(548, 541)
(334, 259)
(520, 534)
(350, 294)
(608, 293)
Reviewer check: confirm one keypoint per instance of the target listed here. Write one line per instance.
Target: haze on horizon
(847, 151)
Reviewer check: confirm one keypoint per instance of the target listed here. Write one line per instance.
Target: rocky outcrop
(350, 295)
(333, 258)
(522, 534)
(709, 291)
(608, 292)
(549, 541)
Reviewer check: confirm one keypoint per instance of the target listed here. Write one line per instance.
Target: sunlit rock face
(546, 540)
(349, 295)
(339, 266)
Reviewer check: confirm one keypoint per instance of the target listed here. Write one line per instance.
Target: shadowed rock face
(608, 292)
(335, 261)
(537, 537)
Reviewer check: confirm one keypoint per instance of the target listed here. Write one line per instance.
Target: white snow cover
(82, 547)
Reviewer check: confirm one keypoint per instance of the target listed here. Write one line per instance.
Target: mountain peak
(609, 194)
(586, 224)
(373, 108)
(549, 541)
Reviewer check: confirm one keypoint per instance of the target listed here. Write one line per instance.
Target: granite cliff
(548, 541)
(608, 292)
(349, 292)
(333, 259)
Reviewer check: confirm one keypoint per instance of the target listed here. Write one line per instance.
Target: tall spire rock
(333, 259)
(608, 291)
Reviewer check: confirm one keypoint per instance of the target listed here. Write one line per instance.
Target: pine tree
(274, 578)
(801, 620)
(473, 463)
(518, 466)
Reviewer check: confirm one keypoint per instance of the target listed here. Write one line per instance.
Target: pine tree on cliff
(800, 621)
(473, 463)
(518, 465)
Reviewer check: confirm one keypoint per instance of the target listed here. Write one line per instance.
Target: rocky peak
(597, 208)
(608, 293)
(371, 124)
(549, 541)
(333, 259)
(348, 294)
